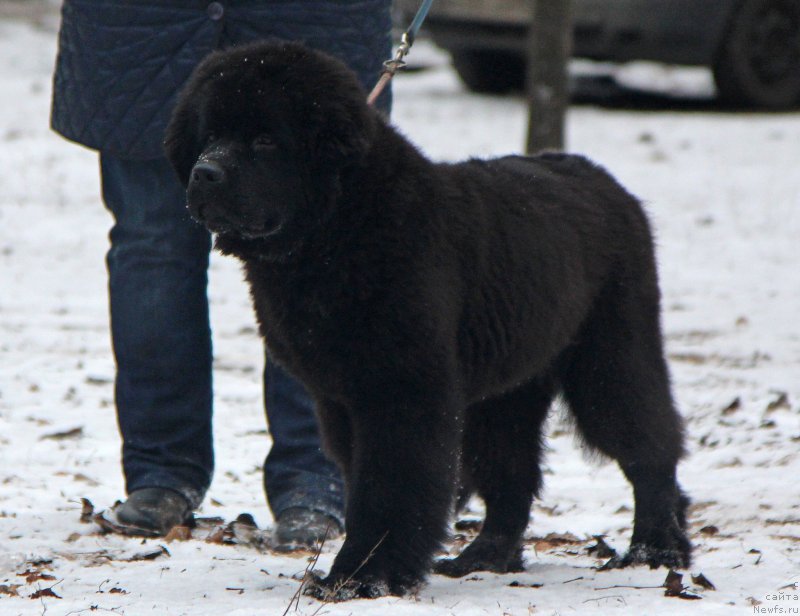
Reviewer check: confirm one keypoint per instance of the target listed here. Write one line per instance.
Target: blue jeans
(160, 330)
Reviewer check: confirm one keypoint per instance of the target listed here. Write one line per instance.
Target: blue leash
(390, 67)
(413, 29)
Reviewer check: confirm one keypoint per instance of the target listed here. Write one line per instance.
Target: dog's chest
(309, 319)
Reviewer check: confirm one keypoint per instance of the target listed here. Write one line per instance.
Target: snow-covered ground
(723, 191)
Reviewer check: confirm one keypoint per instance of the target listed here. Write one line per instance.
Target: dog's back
(548, 234)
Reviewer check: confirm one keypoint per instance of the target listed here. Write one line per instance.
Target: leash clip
(390, 67)
(397, 63)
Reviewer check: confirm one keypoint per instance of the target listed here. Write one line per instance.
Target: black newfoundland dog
(433, 311)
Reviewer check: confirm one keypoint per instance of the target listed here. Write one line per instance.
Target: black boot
(148, 512)
(298, 528)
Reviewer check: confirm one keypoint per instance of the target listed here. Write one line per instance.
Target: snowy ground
(723, 191)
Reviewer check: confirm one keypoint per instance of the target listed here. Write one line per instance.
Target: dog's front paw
(451, 567)
(483, 555)
(469, 562)
(642, 554)
(335, 589)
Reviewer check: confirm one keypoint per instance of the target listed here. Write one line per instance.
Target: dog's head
(260, 135)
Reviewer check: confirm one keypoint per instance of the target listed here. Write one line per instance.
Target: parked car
(751, 46)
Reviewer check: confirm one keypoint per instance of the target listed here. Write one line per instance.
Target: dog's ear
(346, 131)
(182, 141)
(346, 135)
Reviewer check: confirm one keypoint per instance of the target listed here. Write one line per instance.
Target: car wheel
(758, 63)
(489, 71)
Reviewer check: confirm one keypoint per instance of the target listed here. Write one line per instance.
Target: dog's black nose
(207, 173)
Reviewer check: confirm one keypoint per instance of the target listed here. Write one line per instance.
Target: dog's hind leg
(502, 446)
(616, 383)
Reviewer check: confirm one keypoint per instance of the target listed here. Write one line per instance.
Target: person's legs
(160, 329)
(162, 343)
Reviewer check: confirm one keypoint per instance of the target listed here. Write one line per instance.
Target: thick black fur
(433, 311)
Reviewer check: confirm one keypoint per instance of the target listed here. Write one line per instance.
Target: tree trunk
(549, 50)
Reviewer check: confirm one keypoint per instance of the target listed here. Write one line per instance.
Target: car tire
(758, 63)
(489, 71)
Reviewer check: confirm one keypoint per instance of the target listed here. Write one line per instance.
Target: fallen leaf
(150, 554)
(782, 521)
(219, 536)
(792, 538)
(98, 380)
(734, 462)
(703, 582)
(601, 549)
(87, 510)
(709, 530)
(44, 592)
(554, 540)
(245, 531)
(97, 559)
(9, 589)
(691, 358)
(32, 575)
(209, 522)
(673, 583)
(781, 402)
(247, 519)
(86, 479)
(674, 587)
(74, 433)
(178, 533)
(700, 506)
(734, 406)
(689, 596)
(516, 584)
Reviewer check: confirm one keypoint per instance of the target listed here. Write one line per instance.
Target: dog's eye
(211, 138)
(264, 142)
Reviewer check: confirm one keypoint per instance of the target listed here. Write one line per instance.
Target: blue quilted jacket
(121, 63)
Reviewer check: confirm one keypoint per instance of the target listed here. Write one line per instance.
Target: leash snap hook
(391, 66)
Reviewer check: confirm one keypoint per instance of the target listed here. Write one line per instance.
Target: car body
(753, 46)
